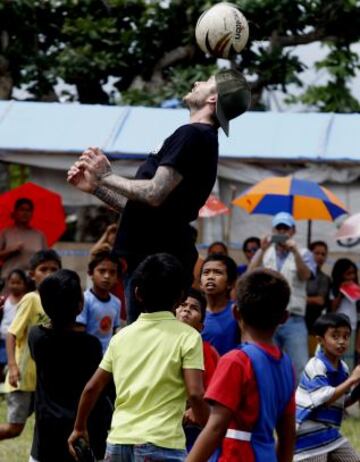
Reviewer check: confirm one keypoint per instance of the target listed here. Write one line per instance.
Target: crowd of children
(197, 376)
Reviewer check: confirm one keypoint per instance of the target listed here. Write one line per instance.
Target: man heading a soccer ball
(172, 184)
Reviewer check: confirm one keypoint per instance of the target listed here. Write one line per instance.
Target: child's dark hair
(218, 244)
(328, 320)
(24, 201)
(160, 282)
(19, 272)
(253, 239)
(99, 257)
(42, 256)
(341, 265)
(22, 275)
(229, 263)
(61, 296)
(197, 295)
(262, 298)
(315, 244)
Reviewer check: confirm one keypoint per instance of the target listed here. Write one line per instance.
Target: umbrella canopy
(49, 215)
(303, 199)
(350, 228)
(213, 207)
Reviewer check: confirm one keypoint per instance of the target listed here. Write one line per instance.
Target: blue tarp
(128, 132)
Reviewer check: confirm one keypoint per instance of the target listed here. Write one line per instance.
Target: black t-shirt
(192, 150)
(65, 361)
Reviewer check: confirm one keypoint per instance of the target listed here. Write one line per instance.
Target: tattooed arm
(113, 199)
(152, 192)
(92, 174)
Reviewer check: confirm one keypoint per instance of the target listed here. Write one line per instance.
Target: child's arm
(211, 436)
(335, 302)
(88, 399)
(341, 389)
(286, 433)
(14, 372)
(193, 379)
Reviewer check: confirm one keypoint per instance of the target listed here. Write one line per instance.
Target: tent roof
(132, 132)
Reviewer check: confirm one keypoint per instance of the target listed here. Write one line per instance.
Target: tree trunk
(6, 81)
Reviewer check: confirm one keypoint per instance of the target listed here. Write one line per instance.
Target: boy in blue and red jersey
(252, 390)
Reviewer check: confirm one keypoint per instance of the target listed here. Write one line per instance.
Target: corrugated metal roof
(126, 132)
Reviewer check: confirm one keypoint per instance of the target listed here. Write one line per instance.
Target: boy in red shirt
(192, 312)
(252, 390)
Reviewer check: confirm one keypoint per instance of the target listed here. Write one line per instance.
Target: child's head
(262, 298)
(17, 282)
(104, 269)
(218, 274)
(333, 332)
(344, 270)
(61, 297)
(218, 247)
(192, 310)
(43, 263)
(159, 283)
(319, 250)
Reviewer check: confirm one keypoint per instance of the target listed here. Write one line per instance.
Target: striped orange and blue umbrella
(303, 199)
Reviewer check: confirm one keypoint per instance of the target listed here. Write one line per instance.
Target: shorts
(20, 406)
(344, 453)
(142, 453)
(3, 354)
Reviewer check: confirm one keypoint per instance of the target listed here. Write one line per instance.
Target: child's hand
(14, 375)
(189, 417)
(75, 435)
(355, 375)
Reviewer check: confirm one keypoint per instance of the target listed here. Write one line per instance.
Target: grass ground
(18, 449)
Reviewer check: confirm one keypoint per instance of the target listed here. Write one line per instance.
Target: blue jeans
(142, 453)
(293, 338)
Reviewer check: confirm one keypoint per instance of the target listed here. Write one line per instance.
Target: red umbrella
(49, 215)
(213, 207)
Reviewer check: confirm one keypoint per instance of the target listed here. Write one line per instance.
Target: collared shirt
(147, 360)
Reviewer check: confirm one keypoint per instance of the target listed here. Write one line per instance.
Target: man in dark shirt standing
(173, 183)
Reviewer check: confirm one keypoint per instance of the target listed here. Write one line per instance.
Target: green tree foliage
(149, 47)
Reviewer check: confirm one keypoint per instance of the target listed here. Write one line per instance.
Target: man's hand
(265, 242)
(14, 375)
(291, 245)
(15, 248)
(81, 178)
(95, 161)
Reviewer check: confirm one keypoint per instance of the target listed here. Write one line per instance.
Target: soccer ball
(222, 30)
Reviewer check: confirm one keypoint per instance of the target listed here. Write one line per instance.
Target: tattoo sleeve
(115, 200)
(152, 192)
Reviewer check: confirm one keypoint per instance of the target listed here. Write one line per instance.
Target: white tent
(48, 137)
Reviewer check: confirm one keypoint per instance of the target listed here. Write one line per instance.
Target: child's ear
(319, 339)
(137, 294)
(80, 307)
(31, 274)
(236, 312)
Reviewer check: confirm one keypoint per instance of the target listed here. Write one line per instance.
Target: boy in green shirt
(21, 378)
(156, 364)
